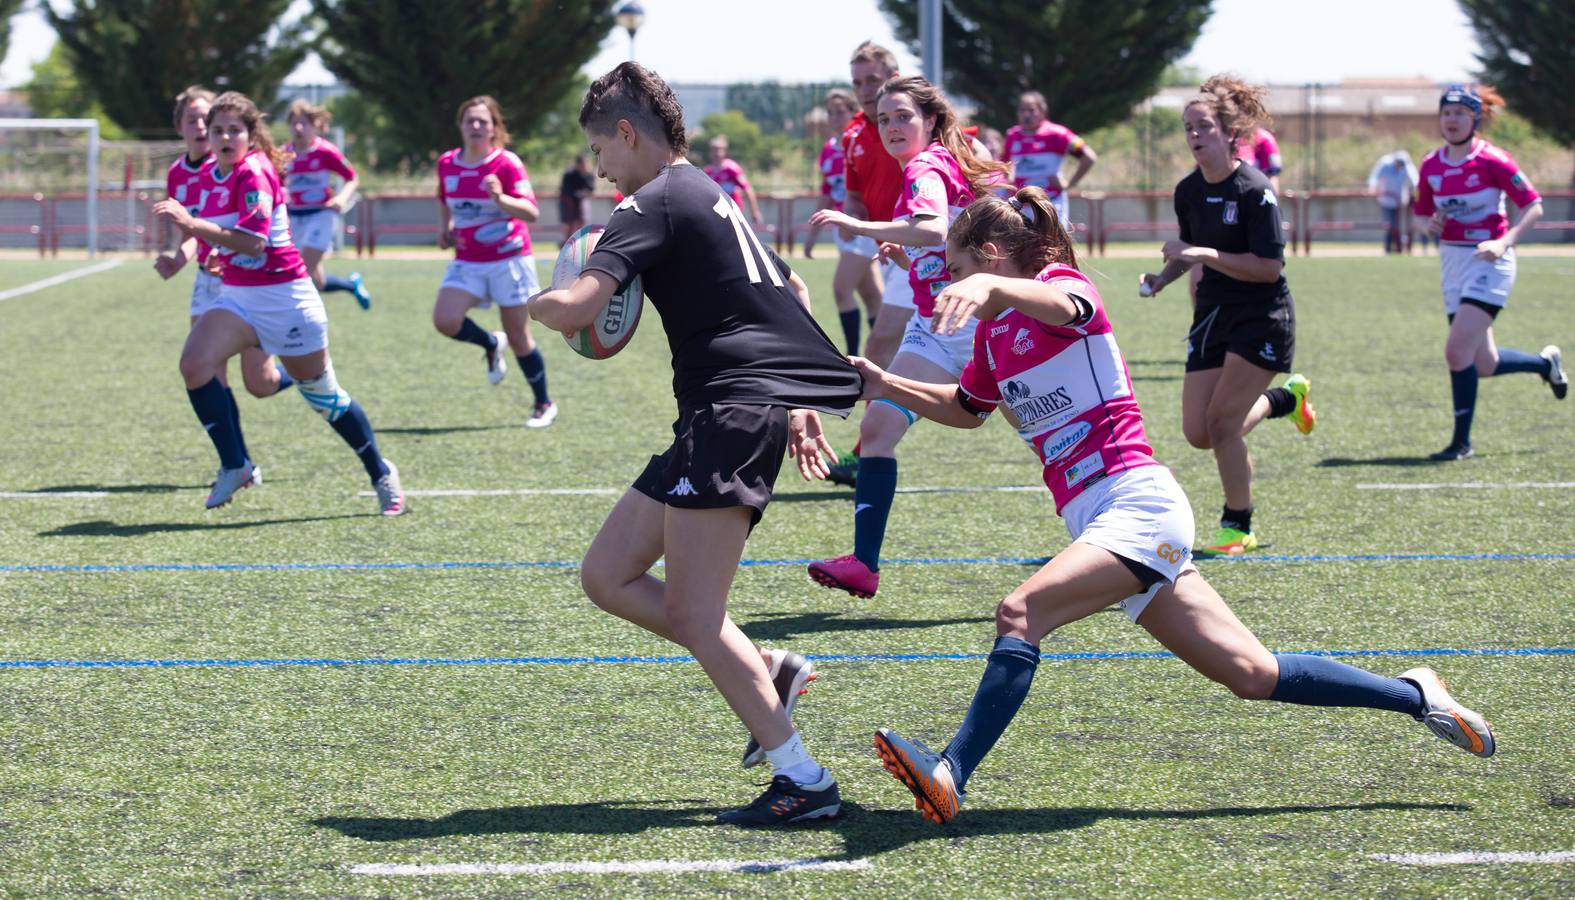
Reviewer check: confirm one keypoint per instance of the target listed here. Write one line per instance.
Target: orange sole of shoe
(897, 764)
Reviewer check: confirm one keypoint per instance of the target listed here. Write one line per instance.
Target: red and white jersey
(482, 231)
(183, 184)
(309, 174)
(833, 178)
(870, 170)
(933, 186)
(251, 199)
(1065, 388)
(1471, 193)
(1262, 150)
(730, 175)
(1036, 156)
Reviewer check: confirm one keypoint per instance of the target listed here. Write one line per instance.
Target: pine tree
(1526, 55)
(8, 8)
(1092, 59)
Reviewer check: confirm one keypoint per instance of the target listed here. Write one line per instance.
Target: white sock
(793, 760)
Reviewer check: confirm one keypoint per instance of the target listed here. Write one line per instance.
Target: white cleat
(390, 493)
(542, 415)
(229, 482)
(790, 675)
(1445, 717)
(1557, 381)
(498, 359)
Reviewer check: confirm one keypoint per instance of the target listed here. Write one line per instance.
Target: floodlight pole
(631, 16)
(930, 29)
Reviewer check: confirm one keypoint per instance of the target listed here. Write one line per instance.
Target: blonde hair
(1237, 105)
(869, 51)
(1025, 229)
(242, 107)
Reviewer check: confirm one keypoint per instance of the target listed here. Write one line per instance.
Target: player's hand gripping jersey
(933, 187)
(309, 174)
(1471, 193)
(183, 184)
(482, 231)
(251, 199)
(833, 180)
(1037, 156)
(1065, 389)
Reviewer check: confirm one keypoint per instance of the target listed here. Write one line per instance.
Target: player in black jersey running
(750, 367)
(1243, 321)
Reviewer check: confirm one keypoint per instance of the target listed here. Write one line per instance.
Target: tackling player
(316, 209)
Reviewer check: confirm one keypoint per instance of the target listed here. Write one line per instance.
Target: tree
(1526, 55)
(1092, 59)
(55, 93)
(419, 59)
(136, 55)
(8, 9)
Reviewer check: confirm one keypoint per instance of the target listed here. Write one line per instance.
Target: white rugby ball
(615, 324)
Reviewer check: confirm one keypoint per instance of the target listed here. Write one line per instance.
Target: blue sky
(809, 40)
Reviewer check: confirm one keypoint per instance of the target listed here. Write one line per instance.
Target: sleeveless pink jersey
(1471, 193)
(1066, 389)
(833, 178)
(183, 184)
(933, 185)
(1263, 151)
(1037, 155)
(730, 175)
(482, 231)
(250, 199)
(309, 174)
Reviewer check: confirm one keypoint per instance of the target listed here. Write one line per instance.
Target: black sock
(1239, 519)
(1463, 388)
(1281, 402)
(1511, 361)
(850, 329)
(872, 498)
(535, 369)
(235, 416)
(471, 333)
(356, 429)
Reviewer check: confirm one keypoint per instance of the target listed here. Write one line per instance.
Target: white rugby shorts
(315, 229)
(204, 292)
(950, 352)
(1142, 515)
(289, 318)
(898, 291)
(506, 282)
(1486, 281)
(858, 245)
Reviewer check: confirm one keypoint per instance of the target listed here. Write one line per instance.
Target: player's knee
(1250, 678)
(1221, 428)
(1011, 614)
(595, 582)
(691, 625)
(324, 394)
(446, 322)
(197, 367)
(259, 385)
(1196, 433)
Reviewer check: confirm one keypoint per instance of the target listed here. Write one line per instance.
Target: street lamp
(631, 16)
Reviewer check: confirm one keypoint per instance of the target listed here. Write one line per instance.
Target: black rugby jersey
(737, 331)
(1237, 215)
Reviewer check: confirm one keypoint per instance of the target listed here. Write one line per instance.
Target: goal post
(90, 126)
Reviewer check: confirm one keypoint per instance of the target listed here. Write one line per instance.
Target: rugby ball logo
(615, 324)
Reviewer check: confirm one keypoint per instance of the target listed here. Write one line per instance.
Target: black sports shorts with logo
(723, 455)
(1262, 333)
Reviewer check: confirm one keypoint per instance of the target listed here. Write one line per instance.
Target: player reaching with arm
(316, 209)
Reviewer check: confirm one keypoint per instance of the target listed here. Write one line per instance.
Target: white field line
(1475, 858)
(48, 495)
(62, 278)
(632, 867)
(611, 492)
(1466, 486)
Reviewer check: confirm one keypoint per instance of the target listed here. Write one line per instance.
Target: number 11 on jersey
(729, 210)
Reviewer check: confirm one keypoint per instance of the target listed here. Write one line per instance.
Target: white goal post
(91, 127)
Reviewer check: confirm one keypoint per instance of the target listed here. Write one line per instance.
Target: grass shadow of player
(429, 430)
(120, 488)
(805, 496)
(782, 626)
(1400, 462)
(106, 528)
(607, 817)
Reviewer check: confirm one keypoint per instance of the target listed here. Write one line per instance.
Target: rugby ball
(615, 324)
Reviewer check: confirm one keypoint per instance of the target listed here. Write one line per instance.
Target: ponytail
(982, 174)
(1025, 229)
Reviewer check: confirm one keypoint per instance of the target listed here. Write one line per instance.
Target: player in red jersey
(856, 267)
(316, 209)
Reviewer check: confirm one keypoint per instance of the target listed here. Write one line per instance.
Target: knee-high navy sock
(1008, 674)
(534, 367)
(1463, 388)
(872, 507)
(850, 329)
(235, 417)
(335, 283)
(1512, 361)
(356, 430)
(472, 333)
(214, 408)
(1320, 681)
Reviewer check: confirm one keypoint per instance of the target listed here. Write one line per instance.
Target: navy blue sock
(335, 283)
(472, 333)
(356, 430)
(285, 381)
(215, 410)
(850, 329)
(1008, 674)
(534, 368)
(1463, 388)
(872, 507)
(235, 418)
(1512, 361)
(1320, 681)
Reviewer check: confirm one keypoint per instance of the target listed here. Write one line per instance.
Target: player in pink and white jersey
(484, 200)
(1046, 353)
(856, 269)
(1263, 152)
(316, 209)
(730, 175)
(1460, 200)
(941, 176)
(267, 300)
(1037, 147)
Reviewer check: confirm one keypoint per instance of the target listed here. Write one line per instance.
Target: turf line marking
(1083, 656)
(1475, 858)
(749, 563)
(612, 492)
(1465, 485)
(48, 495)
(62, 278)
(632, 867)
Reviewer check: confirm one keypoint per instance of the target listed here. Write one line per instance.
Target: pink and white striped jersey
(933, 186)
(482, 231)
(833, 167)
(309, 174)
(183, 184)
(1066, 389)
(1036, 156)
(730, 175)
(1471, 193)
(250, 198)
(1262, 150)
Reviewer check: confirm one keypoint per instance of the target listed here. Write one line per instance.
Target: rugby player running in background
(316, 209)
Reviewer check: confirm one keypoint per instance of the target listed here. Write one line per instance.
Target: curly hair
(635, 94)
(1237, 105)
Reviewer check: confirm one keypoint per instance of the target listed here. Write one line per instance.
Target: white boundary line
(612, 492)
(46, 495)
(1475, 858)
(1465, 486)
(62, 278)
(632, 867)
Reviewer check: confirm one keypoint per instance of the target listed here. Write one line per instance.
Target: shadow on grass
(1402, 462)
(121, 488)
(429, 430)
(105, 528)
(773, 627)
(865, 832)
(811, 496)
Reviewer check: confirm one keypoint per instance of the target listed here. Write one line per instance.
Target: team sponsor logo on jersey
(1436, 182)
(492, 232)
(1449, 172)
(928, 188)
(450, 183)
(1022, 342)
(1213, 199)
(1028, 408)
(1230, 213)
(1061, 443)
(1080, 471)
(930, 267)
(523, 188)
(1518, 180)
(252, 198)
(937, 286)
(998, 330)
(1473, 180)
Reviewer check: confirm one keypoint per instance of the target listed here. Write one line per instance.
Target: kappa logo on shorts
(683, 489)
(1268, 352)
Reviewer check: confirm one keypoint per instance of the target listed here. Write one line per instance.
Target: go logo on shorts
(1170, 554)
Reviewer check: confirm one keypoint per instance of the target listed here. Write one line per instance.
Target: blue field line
(753, 563)
(670, 660)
